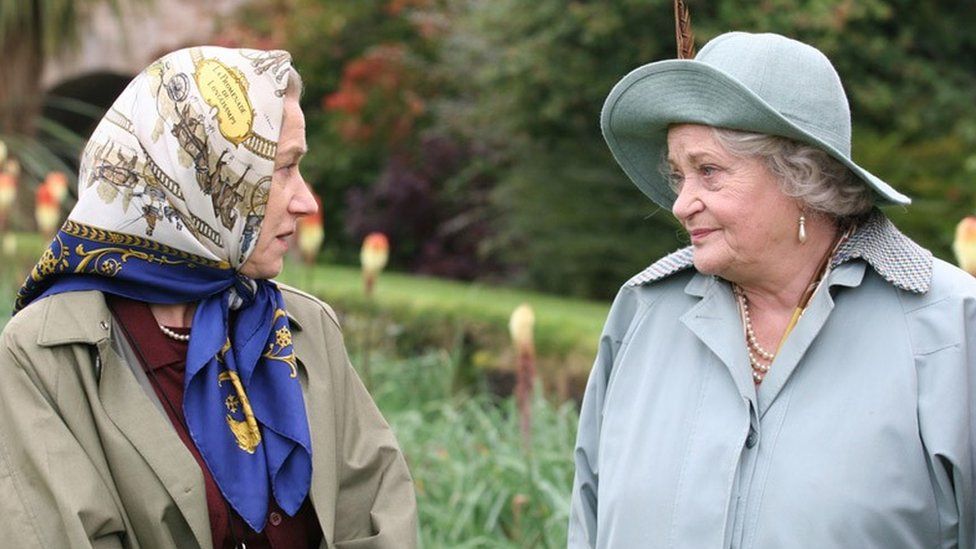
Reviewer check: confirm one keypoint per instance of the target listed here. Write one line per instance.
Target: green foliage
(476, 485)
(568, 218)
(576, 225)
(51, 24)
(365, 67)
(520, 83)
(536, 83)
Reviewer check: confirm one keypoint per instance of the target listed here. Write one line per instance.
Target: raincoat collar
(83, 317)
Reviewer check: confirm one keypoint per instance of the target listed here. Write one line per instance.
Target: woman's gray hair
(806, 173)
(295, 85)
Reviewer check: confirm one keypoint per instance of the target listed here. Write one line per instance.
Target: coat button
(752, 439)
(274, 518)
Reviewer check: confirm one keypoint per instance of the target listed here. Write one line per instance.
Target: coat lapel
(321, 425)
(153, 437)
(805, 333)
(716, 323)
(83, 317)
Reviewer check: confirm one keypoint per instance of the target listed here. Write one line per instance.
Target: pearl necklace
(759, 368)
(173, 335)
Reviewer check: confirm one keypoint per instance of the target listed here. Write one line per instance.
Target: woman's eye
(708, 171)
(674, 181)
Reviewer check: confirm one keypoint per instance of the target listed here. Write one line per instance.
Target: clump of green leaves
(476, 484)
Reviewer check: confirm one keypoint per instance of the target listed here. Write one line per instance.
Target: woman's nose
(687, 203)
(304, 203)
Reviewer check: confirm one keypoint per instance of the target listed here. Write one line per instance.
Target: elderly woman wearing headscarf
(802, 375)
(156, 389)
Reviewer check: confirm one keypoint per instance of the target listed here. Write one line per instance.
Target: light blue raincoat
(863, 434)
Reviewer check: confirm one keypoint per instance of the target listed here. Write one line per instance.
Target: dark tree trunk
(20, 75)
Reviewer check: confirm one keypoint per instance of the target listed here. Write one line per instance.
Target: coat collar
(894, 256)
(84, 317)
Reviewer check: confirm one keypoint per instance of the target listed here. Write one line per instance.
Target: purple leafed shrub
(433, 205)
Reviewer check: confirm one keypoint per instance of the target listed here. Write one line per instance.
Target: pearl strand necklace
(759, 368)
(173, 335)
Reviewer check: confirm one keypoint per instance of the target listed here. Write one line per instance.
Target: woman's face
(732, 207)
(289, 198)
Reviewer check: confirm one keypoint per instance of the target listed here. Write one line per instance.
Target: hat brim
(639, 109)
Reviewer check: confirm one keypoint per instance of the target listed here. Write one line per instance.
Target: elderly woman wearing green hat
(802, 375)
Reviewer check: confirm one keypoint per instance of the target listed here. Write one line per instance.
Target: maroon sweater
(164, 360)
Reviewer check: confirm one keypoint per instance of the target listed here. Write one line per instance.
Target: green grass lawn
(563, 325)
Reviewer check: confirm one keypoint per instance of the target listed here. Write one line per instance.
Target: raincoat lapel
(321, 424)
(153, 437)
(715, 322)
(805, 333)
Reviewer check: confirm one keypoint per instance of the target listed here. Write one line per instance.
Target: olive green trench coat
(88, 460)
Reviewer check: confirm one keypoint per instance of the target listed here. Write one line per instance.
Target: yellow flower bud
(520, 326)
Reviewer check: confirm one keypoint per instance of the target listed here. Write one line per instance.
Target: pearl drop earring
(802, 233)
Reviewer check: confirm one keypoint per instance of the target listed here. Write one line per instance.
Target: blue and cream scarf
(172, 192)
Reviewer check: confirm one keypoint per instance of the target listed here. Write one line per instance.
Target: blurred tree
(909, 69)
(535, 84)
(514, 88)
(531, 89)
(366, 69)
(31, 33)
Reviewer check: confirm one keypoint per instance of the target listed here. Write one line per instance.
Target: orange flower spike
(57, 182)
(8, 191)
(965, 244)
(311, 233)
(375, 253)
(373, 257)
(47, 211)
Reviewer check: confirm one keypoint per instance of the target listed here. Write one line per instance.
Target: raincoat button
(752, 439)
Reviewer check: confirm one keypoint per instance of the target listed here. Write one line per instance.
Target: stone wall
(145, 31)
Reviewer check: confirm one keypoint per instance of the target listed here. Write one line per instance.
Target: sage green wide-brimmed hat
(763, 83)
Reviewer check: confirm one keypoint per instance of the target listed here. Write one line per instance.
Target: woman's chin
(707, 263)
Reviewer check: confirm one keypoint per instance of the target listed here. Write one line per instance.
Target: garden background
(467, 132)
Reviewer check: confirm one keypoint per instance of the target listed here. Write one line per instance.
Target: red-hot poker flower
(375, 253)
(58, 183)
(311, 234)
(373, 257)
(965, 244)
(47, 211)
(520, 326)
(8, 191)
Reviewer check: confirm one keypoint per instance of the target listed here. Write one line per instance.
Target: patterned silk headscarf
(172, 191)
